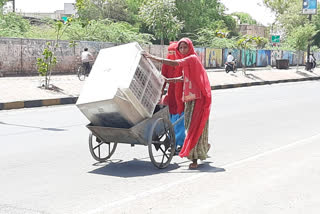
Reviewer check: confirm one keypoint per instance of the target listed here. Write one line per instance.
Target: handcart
(156, 132)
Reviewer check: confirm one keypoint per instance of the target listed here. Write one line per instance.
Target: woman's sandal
(193, 165)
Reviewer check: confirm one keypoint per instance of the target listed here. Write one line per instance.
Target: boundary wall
(18, 56)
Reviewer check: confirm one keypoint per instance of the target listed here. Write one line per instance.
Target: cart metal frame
(156, 132)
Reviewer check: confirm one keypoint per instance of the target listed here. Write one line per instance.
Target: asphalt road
(264, 158)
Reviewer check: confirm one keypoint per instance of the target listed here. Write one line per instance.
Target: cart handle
(177, 121)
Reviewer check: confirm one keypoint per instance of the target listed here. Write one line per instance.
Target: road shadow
(34, 127)
(253, 77)
(306, 74)
(54, 89)
(202, 167)
(138, 168)
(233, 74)
(128, 169)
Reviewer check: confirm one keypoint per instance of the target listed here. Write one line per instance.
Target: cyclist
(86, 57)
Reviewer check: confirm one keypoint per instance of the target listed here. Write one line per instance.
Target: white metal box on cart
(122, 89)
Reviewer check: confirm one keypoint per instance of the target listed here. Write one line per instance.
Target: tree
(46, 63)
(288, 15)
(2, 3)
(278, 6)
(300, 38)
(106, 31)
(244, 18)
(116, 10)
(214, 38)
(248, 42)
(289, 18)
(316, 22)
(133, 10)
(198, 14)
(160, 17)
(12, 25)
(49, 60)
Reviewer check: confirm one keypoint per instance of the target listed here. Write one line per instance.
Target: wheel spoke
(164, 153)
(100, 152)
(98, 146)
(160, 142)
(162, 161)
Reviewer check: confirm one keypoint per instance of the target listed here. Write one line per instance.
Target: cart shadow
(134, 168)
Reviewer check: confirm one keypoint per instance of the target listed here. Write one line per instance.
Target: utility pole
(14, 5)
(309, 7)
(308, 50)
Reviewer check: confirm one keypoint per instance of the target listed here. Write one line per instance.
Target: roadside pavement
(25, 92)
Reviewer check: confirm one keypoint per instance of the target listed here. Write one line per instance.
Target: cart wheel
(101, 151)
(161, 143)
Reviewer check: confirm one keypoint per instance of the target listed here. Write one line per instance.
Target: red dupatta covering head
(196, 83)
(172, 46)
(174, 96)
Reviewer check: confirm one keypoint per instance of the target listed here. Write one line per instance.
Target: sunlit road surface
(264, 158)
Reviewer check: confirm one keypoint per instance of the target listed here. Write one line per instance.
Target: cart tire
(100, 150)
(161, 143)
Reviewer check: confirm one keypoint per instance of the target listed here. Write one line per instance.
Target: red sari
(196, 87)
(174, 96)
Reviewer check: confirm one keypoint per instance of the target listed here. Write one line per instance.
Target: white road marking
(201, 174)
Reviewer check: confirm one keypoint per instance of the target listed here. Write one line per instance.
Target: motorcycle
(231, 66)
(310, 65)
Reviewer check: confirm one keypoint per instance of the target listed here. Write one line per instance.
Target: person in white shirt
(230, 59)
(312, 62)
(86, 57)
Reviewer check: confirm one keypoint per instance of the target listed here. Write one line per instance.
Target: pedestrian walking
(173, 97)
(197, 99)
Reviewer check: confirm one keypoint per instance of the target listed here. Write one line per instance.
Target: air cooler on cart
(123, 88)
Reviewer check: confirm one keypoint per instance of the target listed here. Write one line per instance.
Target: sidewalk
(24, 92)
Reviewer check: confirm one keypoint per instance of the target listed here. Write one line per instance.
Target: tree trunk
(244, 64)
(162, 52)
(298, 57)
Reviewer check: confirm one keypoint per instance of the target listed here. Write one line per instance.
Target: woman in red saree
(197, 99)
(173, 98)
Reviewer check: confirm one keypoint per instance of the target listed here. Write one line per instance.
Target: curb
(38, 103)
(239, 85)
(73, 100)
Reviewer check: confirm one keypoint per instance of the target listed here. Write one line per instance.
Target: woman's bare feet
(194, 164)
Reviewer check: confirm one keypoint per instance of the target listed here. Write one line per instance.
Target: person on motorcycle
(312, 61)
(230, 60)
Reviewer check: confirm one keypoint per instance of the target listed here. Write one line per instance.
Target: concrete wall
(18, 57)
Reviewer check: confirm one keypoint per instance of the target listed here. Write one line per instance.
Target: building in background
(68, 11)
(254, 30)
